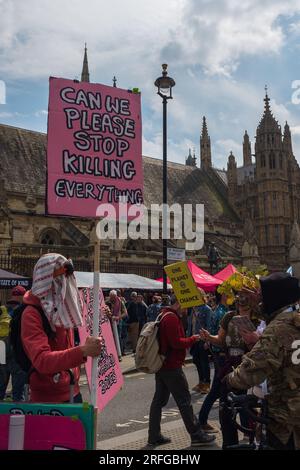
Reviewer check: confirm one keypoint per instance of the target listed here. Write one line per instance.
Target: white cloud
(41, 113)
(6, 115)
(130, 39)
(280, 112)
(42, 38)
(222, 149)
(10, 115)
(295, 130)
(177, 151)
(215, 34)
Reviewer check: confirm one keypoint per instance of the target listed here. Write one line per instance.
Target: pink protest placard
(47, 433)
(94, 153)
(110, 378)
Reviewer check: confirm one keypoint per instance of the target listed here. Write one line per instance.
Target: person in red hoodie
(170, 379)
(54, 290)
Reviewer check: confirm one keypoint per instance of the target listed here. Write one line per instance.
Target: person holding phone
(236, 336)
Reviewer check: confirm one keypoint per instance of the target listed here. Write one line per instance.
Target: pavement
(128, 364)
(175, 430)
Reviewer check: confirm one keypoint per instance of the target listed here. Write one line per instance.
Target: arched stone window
(277, 234)
(272, 161)
(50, 237)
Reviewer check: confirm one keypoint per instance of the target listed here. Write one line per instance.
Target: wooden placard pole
(96, 321)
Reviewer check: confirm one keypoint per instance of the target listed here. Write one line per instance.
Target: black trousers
(228, 428)
(201, 361)
(171, 381)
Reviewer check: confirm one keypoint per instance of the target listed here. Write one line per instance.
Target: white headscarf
(59, 295)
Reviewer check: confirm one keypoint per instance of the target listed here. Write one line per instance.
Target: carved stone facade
(26, 232)
(265, 193)
(268, 191)
(250, 254)
(294, 250)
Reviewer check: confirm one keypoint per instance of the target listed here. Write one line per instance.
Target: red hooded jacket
(51, 358)
(172, 340)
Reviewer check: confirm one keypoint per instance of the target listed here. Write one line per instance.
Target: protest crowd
(241, 339)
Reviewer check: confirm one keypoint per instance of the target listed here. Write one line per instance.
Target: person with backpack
(11, 369)
(16, 299)
(170, 378)
(153, 309)
(52, 309)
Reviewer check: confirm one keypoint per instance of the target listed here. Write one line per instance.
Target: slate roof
(244, 172)
(23, 167)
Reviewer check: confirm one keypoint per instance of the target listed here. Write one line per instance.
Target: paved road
(128, 411)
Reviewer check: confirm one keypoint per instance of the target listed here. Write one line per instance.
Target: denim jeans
(171, 381)
(201, 361)
(214, 392)
(18, 378)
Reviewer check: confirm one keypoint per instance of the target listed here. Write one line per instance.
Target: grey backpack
(147, 356)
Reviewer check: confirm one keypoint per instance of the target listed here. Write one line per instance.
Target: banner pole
(116, 338)
(96, 313)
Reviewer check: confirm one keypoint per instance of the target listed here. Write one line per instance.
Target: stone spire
(191, 159)
(232, 179)
(231, 160)
(85, 75)
(287, 139)
(268, 123)
(247, 150)
(205, 147)
(204, 134)
(267, 101)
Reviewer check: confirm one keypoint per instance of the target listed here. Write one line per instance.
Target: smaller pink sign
(110, 378)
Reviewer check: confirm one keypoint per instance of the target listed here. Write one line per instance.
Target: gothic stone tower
(247, 150)
(205, 147)
(274, 214)
(232, 179)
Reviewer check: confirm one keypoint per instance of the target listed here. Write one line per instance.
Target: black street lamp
(164, 85)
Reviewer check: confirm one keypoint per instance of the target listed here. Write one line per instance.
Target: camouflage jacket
(276, 357)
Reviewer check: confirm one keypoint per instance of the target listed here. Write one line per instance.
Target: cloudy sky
(221, 54)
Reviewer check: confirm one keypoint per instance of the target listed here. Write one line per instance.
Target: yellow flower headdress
(243, 278)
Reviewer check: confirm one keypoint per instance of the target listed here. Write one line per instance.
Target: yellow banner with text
(184, 286)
